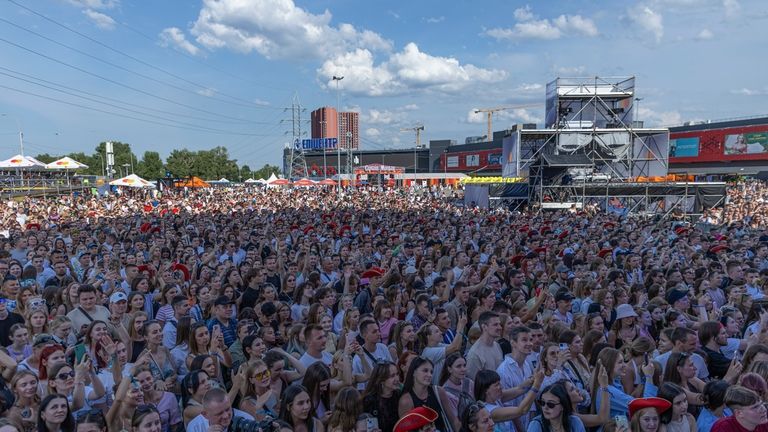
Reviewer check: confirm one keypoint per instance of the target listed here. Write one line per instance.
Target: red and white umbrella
(133, 181)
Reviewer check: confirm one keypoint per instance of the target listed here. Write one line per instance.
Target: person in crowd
(645, 413)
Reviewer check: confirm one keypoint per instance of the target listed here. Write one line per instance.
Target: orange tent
(194, 182)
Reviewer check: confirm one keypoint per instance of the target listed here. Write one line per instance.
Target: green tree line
(210, 164)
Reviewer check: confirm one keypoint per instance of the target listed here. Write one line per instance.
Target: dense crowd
(377, 311)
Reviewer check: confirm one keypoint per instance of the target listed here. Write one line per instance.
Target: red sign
(477, 160)
(745, 143)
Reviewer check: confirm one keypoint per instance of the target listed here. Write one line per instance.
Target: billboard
(684, 147)
(719, 144)
(746, 143)
(460, 161)
(453, 162)
(473, 160)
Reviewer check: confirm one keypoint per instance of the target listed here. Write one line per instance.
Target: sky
(164, 75)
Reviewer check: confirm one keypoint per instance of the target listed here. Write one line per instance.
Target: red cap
(163, 212)
(308, 229)
(33, 225)
(660, 404)
(416, 419)
(182, 268)
(343, 229)
(604, 252)
(720, 248)
(145, 227)
(516, 259)
(147, 208)
(609, 225)
(681, 229)
(373, 272)
(523, 229)
(563, 235)
(540, 250)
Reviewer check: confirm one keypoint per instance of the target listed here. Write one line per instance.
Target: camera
(268, 424)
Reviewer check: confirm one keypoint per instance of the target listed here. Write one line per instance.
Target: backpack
(465, 398)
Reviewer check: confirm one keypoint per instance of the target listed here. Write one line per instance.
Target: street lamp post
(21, 134)
(338, 133)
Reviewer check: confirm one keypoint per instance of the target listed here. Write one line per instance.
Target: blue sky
(198, 74)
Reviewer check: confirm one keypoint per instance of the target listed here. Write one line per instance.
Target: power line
(138, 60)
(115, 82)
(201, 63)
(31, 78)
(108, 104)
(196, 128)
(117, 66)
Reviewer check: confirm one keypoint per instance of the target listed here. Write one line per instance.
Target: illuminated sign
(316, 144)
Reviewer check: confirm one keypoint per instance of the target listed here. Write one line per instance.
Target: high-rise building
(325, 124)
(350, 130)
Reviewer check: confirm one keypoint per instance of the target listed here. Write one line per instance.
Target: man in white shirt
(218, 414)
(685, 340)
(315, 338)
(88, 311)
(485, 353)
(517, 368)
(373, 349)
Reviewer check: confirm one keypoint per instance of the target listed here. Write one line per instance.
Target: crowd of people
(382, 310)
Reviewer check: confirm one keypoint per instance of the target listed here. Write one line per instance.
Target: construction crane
(418, 128)
(489, 114)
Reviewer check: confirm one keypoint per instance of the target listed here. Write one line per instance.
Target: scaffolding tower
(297, 166)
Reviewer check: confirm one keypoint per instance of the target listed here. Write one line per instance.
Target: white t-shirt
(437, 356)
(307, 360)
(200, 423)
(380, 353)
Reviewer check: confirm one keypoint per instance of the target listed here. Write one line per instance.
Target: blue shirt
(620, 400)
(229, 330)
(707, 419)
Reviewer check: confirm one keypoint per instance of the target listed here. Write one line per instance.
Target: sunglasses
(95, 412)
(64, 375)
(548, 404)
(262, 375)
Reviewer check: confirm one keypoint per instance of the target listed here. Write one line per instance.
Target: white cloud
(528, 27)
(750, 92)
(529, 88)
(705, 34)
(523, 13)
(504, 118)
(659, 118)
(647, 20)
(732, 8)
(411, 107)
(261, 102)
(174, 37)
(382, 117)
(207, 92)
(102, 21)
(435, 20)
(278, 29)
(372, 133)
(576, 24)
(570, 70)
(407, 70)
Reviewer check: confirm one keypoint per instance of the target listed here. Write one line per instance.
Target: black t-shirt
(385, 409)
(249, 299)
(5, 327)
(275, 281)
(717, 363)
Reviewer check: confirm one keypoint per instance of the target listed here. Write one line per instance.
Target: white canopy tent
(132, 181)
(19, 161)
(65, 163)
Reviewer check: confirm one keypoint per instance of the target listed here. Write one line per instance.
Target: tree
(122, 152)
(181, 163)
(151, 166)
(265, 171)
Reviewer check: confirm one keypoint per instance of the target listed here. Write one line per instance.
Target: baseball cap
(222, 300)
(118, 297)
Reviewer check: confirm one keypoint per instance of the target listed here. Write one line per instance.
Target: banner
(746, 143)
(684, 147)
